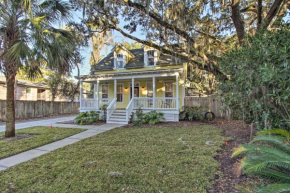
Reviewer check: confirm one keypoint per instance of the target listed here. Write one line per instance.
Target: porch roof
(132, 74)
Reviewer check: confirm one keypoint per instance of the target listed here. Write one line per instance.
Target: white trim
(119, 93)
(169, 81)
(147, 89)
(108, 92)
(134, 87)
(154, 91)
(138, 74)
(98, 93)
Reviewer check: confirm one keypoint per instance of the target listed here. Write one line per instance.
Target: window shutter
(115, 60)
(124, 60)
(155, 57)
(145, 58)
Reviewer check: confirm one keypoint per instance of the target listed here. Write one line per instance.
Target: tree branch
(272, 13)
(168, 25)
(210, 68)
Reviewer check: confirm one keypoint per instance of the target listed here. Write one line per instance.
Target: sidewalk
(44, 122)
(28, 155)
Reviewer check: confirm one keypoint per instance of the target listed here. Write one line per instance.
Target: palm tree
(28, 41)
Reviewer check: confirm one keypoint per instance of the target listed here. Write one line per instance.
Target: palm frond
(281, 132)
(277, 188)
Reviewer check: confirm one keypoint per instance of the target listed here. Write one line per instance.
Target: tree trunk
(259, 14)
(10, 107)
(237, 20)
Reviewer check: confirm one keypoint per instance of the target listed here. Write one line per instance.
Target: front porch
(159, 92)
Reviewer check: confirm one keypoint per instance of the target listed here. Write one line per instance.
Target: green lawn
(123, 160)
(42, 136)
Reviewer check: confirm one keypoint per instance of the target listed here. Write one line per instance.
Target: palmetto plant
(29, 41)
(268, 156)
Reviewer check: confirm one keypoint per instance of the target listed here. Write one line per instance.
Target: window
(120, 61)
(120, 90)
(151, 58)
(149, 89)
(28, 90)
(168, 89)
(105, 92)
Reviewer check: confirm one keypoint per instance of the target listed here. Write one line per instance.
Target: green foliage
(87, 118)
(258, 88)
(267, 156)
(191, 113)
(131, 46)
(104, 112)
(151, 118)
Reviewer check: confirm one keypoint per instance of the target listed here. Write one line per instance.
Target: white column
(132, 91)
(98, 83)
(115, 88)
(94, 93)
(154, 91)
(81, 93)
(132, 87)
(177, 92)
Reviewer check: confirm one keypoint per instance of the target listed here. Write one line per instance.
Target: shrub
(152, 117)
(191, 112)
(87, 118)
(104, 112)
(268, 156)
(258, 88)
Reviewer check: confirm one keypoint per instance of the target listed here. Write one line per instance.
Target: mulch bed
(18, 136)
(230, 175)
(73, 123)
(230, 167)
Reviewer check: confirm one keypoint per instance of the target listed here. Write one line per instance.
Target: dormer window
(120, 61)
(151, 58)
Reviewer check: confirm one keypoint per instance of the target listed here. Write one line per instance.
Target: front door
(136, 92)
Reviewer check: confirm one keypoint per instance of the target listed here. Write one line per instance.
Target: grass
(124, 160)
(40, 136)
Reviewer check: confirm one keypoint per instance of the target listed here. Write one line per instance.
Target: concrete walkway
(43, 122)
(28, 155)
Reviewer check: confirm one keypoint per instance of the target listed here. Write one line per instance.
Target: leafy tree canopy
(196, 31)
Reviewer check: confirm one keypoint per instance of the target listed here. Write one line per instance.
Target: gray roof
(25, 83)
(107, 63)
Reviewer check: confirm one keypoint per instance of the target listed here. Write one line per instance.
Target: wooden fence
(210, 102)
(33, 109)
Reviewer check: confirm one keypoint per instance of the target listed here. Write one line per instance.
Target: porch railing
(160, 103)
(143, 102)
(165, 103)
(89, 104)
(105, 102)
(129, 109)
(110, 109)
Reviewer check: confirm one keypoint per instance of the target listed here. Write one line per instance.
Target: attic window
(120, 61)
(151, 57)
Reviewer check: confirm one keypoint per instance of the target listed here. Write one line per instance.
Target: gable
(134, 59)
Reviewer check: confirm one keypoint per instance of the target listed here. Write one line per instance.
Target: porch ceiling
(134, 74)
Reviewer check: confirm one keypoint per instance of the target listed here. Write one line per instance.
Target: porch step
(118, 116)
(119, 111)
